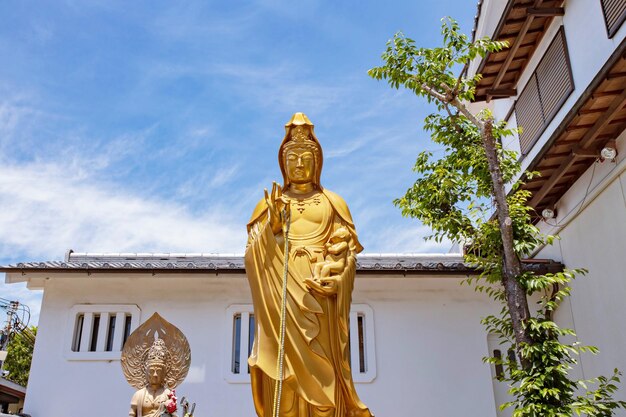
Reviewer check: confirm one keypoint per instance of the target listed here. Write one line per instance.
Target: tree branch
(453, 118)
(453, 100)
(458, 80)
(463, 109)
(436, 94)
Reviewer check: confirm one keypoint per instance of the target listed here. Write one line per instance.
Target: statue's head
(300, 154)
(157, 362)
(156, 374)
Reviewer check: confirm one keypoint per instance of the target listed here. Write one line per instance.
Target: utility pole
(5, 335)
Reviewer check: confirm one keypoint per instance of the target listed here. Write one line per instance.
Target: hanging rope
(278, 389)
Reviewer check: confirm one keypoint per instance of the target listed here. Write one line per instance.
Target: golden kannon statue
(322, 246)
(155, 360)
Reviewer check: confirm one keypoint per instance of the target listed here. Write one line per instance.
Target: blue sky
(154, 126)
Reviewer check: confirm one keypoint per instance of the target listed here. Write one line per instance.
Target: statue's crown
(157, 354)
(298, 119)
(299, 129)
(300, 134)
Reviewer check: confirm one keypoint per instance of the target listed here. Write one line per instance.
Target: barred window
(241, 327)
(500, 351)
(99, 331)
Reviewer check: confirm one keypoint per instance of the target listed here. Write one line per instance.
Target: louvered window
(529, 114)
(614, 14)
(544, 94)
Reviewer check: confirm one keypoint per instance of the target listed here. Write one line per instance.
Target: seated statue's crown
(157, 354)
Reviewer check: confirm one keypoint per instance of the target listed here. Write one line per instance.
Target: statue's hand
(326, 287)
(275, 204)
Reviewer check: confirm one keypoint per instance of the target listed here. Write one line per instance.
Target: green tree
(19, 356)
(462, 197)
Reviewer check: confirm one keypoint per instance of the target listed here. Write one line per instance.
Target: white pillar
(243, 343)
(102, 332)
(118, 337)
(85, 336)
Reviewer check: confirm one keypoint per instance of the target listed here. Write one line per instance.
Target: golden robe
(317, 374)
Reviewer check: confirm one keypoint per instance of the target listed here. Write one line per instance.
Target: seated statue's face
(156, 374)
(300, 165)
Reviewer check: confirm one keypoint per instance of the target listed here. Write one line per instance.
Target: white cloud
(67, 202)
(409, 239)
(207, 182)
(281, 86)
(49, 207)
(199, 20)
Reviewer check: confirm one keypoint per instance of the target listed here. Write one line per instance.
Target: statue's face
(156, 374)
(300, 165)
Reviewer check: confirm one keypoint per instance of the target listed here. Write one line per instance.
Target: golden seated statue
(155, 360)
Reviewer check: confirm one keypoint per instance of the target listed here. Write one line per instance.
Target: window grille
(98, 332)
(614, 15)
(241, 327)
(497, 353)
(499, 350)
(544, 94)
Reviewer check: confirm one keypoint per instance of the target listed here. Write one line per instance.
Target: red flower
(170, 406)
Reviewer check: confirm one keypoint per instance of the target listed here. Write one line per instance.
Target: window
(239, 360)
(544, 94)
(98, 332)
(614, 15)
(362, 346)
(241, 336)
(500, 388)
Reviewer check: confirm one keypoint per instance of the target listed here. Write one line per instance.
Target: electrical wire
(17, 322)
(582, 203)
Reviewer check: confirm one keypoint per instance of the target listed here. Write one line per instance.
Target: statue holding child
(321, 263)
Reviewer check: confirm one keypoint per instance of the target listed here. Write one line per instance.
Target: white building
(417, 343)
(563, 80)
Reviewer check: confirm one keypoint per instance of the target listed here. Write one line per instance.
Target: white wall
(595, 238)
(490, 14)
(429, 345)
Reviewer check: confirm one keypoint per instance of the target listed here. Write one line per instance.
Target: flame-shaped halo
(156, 338)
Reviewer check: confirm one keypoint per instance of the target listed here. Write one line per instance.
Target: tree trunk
(511, 264)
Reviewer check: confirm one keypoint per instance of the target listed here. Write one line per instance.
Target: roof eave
(500, 68)
(25, 274)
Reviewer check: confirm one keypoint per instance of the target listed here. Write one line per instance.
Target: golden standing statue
(155, 360)
(322, 247)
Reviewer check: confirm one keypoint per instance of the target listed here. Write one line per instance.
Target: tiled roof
(203, 262)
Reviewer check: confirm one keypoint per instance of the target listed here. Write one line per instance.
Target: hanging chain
(278, 389)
